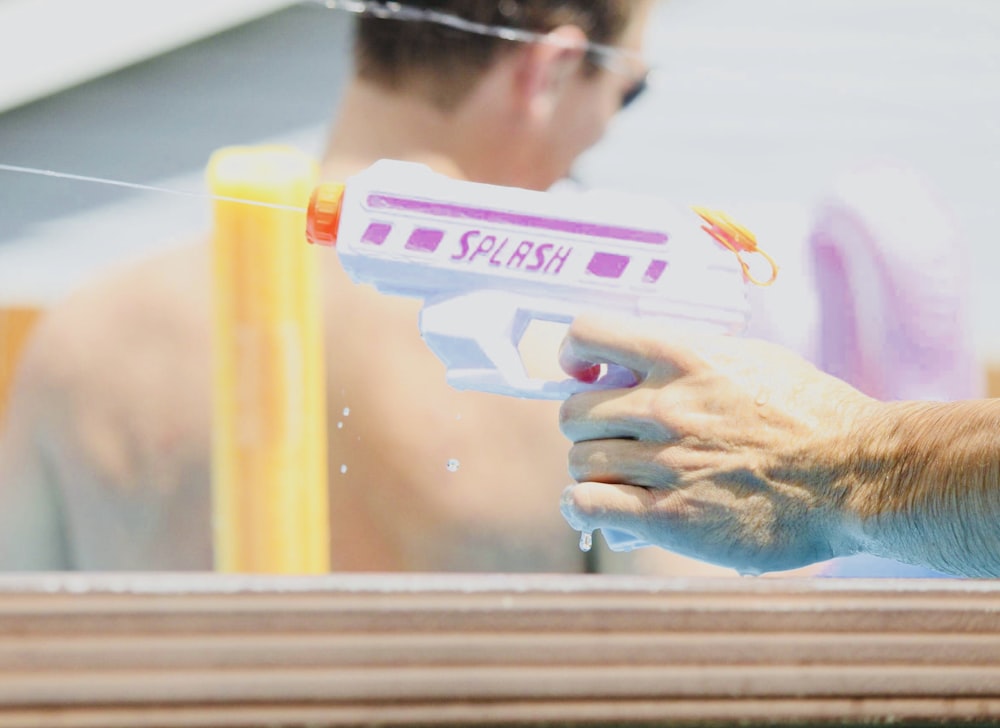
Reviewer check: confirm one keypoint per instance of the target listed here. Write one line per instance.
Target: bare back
(434, 479)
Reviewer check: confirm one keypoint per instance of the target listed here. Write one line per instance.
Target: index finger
(627, 342)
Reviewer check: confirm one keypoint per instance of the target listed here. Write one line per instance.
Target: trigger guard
(477, 335)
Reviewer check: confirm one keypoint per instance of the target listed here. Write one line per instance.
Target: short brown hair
(446, 62)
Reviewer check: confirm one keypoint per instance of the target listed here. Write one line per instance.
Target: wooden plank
(214, 650)
(327, 651)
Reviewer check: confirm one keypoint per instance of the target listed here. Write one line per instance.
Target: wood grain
(370, 649)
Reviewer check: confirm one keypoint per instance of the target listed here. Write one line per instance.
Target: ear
(546, 67)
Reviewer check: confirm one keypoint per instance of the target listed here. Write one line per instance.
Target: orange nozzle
(323, 216)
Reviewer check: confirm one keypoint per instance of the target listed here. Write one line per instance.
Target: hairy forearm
(925, 483)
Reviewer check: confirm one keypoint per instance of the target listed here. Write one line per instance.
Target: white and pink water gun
(488, 260)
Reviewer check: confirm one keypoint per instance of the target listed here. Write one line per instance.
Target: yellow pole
(269, 478)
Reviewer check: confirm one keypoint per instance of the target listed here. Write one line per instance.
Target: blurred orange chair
(993, 379)
(16, 323)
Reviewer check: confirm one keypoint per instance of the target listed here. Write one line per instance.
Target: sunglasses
(639, 82)
(617, 60)
(635, 90)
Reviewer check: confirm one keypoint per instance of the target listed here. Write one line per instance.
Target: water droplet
(347, 411)
(343, 469)
(340, 425)
(762, 398)
(748, 572)
(458, 416)
(452, 465)
(586, 540)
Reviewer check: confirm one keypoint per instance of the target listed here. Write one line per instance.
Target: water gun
(488, 260)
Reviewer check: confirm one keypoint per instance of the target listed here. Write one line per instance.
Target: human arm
(740, 453)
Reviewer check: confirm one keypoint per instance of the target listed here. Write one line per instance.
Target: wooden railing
(408, 650)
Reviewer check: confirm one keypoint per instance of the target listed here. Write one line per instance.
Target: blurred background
(755, 101)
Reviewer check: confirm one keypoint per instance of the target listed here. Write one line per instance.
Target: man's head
(524, 86)
(446, 62)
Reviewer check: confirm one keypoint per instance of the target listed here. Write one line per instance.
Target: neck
(374, 124)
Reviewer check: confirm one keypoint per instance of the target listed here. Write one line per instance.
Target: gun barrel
(410, 232)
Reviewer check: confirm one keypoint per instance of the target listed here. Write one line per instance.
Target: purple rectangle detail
(607, 265)
(505, 217)
(425, 239)
(376, 233)
(654, 270)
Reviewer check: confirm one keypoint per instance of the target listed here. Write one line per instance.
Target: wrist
(831, 465)
(924, 486)
(856, 454)
(874, 467)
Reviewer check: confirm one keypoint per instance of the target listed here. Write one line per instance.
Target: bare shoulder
(99, 330)
(111, 398)
(121, 367)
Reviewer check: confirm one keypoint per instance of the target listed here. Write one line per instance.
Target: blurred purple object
(893, 286)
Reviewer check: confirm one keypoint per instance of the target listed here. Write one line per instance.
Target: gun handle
(476, 335)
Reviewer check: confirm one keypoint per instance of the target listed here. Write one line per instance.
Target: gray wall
(155, 123)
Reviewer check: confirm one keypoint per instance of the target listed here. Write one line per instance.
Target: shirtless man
(105, 462)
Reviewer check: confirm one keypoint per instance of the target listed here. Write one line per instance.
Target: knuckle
(567, 417)
(584, 502)
(664, 411)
